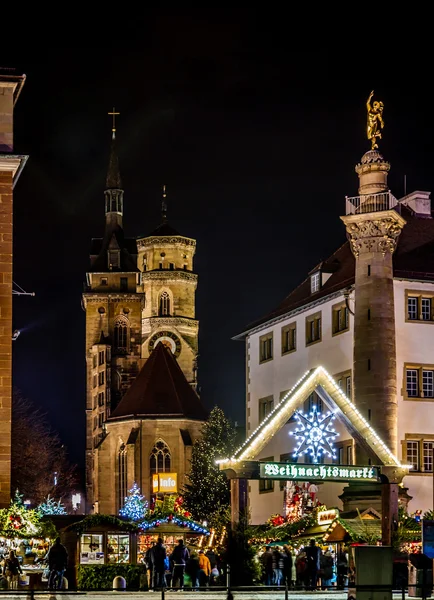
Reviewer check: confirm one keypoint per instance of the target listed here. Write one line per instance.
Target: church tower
(168, 283)
(141, 402)
(113, 308)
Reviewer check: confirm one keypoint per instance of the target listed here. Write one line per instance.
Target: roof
(10, 75)
(113, 180)
(113, 238)
(164, 229)
(160, 391)
(413, 259)
(357, 529)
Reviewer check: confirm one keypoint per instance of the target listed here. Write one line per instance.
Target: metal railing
(357, 205)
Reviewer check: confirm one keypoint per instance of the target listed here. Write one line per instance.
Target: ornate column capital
(374, 232)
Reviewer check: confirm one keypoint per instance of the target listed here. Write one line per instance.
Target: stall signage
(165, 482)
(274, 470)
(327, 516)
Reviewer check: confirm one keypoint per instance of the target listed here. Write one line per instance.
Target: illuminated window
(427, 448)
(91, 549)
(315, 282)
(313, 329)
(118, 548)
(289, 338)
(413, 455)
(164, 305)
(160, 459)
(266, 347)
(121, 330)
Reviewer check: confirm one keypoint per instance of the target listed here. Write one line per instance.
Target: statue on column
(375, 120)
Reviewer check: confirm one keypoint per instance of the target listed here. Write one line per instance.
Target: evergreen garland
(207, 493)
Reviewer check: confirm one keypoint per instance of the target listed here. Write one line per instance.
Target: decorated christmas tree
(135, 506)
(51, 507)
(207, 494)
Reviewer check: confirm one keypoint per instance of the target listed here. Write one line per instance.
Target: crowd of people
(310, 568)
(181, 568)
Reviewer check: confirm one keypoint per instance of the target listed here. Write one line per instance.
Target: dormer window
(114, 257)
(315, 282)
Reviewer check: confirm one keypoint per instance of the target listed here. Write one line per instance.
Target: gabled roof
(164, 229)
(320, 381)
(160, 391)
(413, 259)
(114, 238)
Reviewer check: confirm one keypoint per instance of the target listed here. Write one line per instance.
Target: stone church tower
(138, 293)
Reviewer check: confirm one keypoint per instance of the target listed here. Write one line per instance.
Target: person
(179, 558)
(313, 554)
(192, 569)
(11, 570)
(267, 565)
(293, 570)
(341, 570)
(149, 566)
(158, 557)
(57, 562)
(287, 566)
(277, 566)
(301, 566)
(326, 562)
(204, 569)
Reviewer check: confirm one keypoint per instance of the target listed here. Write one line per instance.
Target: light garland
(178, 521)
(275, 420)
(315, 435)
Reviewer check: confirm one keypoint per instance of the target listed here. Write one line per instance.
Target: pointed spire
(164, 205)
(113, 180)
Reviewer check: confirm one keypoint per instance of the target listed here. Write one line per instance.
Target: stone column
(373, 237)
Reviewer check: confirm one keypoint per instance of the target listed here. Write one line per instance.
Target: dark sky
(256, 140)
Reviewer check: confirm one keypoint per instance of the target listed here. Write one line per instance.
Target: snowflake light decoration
(315, 435)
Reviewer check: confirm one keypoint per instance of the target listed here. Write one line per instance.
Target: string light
(315, 434)
(286, 408)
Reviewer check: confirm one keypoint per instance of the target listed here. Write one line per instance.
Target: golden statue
(375, 120)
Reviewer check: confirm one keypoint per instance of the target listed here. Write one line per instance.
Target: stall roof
(355, 528)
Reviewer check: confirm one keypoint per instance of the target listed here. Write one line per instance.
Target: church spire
(114, 194)
(164, 205)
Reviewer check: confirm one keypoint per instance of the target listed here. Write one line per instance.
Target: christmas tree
(51, 507)
(207, 494)
(135, 506)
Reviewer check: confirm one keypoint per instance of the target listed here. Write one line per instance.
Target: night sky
(257, 143)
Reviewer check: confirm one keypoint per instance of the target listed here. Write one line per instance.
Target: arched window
(164, 309)
(121, 330)
(123, 475)
(160, 459)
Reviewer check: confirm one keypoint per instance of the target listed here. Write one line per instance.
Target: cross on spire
(164, 205)
(113, 114)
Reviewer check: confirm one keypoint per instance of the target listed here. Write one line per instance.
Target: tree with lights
(207, 493)
(51, 507)
(135, 506)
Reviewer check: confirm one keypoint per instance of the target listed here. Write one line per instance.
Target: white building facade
(314, 326)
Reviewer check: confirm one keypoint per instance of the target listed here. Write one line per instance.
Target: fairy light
(315, 435)
(274, 421)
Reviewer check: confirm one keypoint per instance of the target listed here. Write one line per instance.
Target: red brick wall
(5, 335)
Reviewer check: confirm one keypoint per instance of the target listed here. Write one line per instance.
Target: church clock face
(169, 339)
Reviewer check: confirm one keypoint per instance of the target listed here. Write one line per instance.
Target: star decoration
(315, 435)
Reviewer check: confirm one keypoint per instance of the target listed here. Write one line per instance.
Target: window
(101, 378)
(95, 381)
(118, 548)
(95, 401)
(185, 267)
(315, 282)
(122, 469)
(95, 422)
(91, 549)
(94, 361)
(101, 399)
(419, 381)
(340, 455)
(160, 266)
(172, 266)
(266, 485)
(349, 455)
(289, 338)
(104, 281)
(340, 318)
(101, 358)
(428, 456)
(121, 334)
(348, 386)
(266, 405)
(164, 305)
(160, 459)
(114, 259)
(313, 402)
(419, 306)
(124, 284)
(313, 329)
(266, 347)
(413, 455)
(100, 419)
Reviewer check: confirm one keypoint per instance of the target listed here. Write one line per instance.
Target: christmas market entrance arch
(389, 472)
